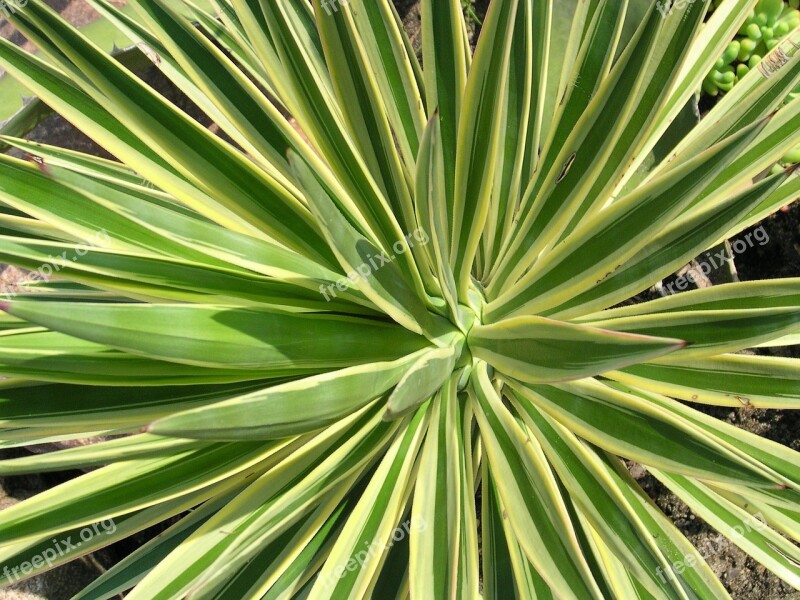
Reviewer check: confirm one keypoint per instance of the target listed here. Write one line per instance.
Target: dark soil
(744, 578)
(780, 257)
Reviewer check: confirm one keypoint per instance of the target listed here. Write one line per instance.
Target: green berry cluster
(767, 25)
(770, 21)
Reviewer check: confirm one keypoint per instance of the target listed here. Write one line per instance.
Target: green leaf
(324, 122)
(759, 541)
(628, 426)
(363, 108)
(479, 141)
(292, 408)
(42, 355)
(133, 216)
(142, 276)
(427, 288)
(605, 241)
(667, 250)
(131, 569)
(532, 502)
(713, 331)
(306, 472)
(444, 562)
(423, 379)
(90, 407)
(599, 149)
(527, 114)
(776, 459)
(431, 211)
(506, 569)
(604, 507)
(535, 349)
(446, 54)
(670, 540)
(116, 450)
(727, 380)
(710, 42)
(93, 117)
(759, 94)
(202, 157)
(200, 71)
(112, 490)
(219, 336)
(397, 73)
(369, 533)
(597, 31)
(58, 550)
(373, 268)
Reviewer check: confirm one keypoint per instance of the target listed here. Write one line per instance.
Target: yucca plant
(375, 336)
